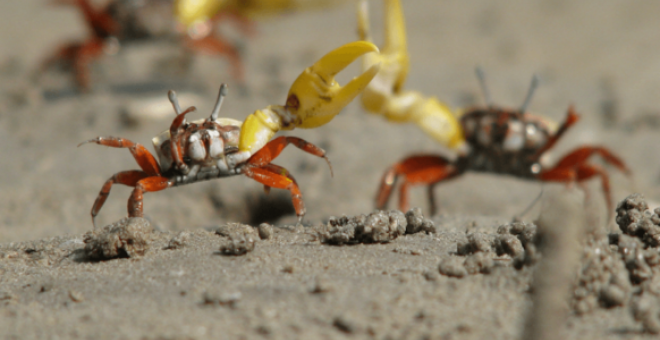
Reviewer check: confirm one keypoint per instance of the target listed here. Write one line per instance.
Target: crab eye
(196, 150)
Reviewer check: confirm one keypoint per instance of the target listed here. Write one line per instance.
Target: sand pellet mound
(417, 223)
(623, 270)
(237, 247)
(635, 219)
(128, 237)
(514, 244)
(377, 227)
(603, 279)
(240, 238)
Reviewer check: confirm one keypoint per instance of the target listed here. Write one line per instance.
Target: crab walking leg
(142, 156)
(581, 155)
(82, 57)
(579, 174)
(79, 55)
(279, 170)
(274, 176)
(149, 184)
(273, 149)
(128, 178)
(100, 21)
(574, 168)
(385, 95)
(415, 170)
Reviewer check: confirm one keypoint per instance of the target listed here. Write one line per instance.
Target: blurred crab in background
(112, 25)
(216, 147)
(197, 19)
(102, 39)
(118, 22)
(487, 139)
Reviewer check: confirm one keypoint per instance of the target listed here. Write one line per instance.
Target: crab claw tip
(357, 84)
(93, 140)
(337, 60)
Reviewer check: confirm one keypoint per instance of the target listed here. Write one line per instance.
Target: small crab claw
(315, 97)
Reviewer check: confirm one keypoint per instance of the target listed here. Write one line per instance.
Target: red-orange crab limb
(79, 55)
(216, 147)
(502, 141)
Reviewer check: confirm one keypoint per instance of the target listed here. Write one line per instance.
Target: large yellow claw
(315, 97)
(385, 95)
(313, 100)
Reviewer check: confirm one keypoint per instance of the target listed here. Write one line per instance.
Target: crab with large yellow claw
(216, 147)
(487, 139)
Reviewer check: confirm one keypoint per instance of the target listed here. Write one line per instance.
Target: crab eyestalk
(481, 76)
(532, 87)
(171, 95)
(224, 90)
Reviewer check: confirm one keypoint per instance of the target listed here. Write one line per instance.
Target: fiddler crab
(216, 147)
(103, 39)
(120, 21)
(486, 139)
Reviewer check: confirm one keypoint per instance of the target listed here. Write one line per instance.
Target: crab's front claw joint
(315, 97)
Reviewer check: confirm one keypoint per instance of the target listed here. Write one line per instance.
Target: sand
(186, 284)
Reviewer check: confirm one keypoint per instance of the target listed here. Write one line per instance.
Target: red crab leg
(416, 170)
(149, 184)
(244, 24)
(574, 168)
(571, 119)
(273, 149)
(175, 139)
(580, 156)
(99, 21)
(215, 46)
(79, 56)
(82, 57)
(129, 178)
(275, 176)
(142, 156)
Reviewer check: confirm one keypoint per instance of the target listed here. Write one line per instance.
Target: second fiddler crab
(216, 147)
(485, 139)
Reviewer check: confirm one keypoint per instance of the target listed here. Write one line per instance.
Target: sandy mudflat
(601, 57)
